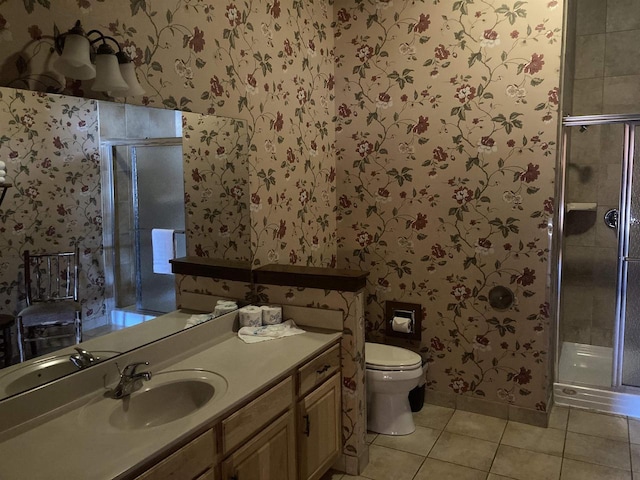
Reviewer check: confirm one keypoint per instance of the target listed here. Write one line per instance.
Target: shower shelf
(581, 207)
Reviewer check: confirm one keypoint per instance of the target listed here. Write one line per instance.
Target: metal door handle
(611, 218)
(307, 425)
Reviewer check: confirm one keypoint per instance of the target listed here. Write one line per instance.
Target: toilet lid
(383, 357)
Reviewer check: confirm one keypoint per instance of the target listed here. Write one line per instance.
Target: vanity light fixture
(113, 72)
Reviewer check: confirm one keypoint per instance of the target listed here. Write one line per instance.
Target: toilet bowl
(391, 372)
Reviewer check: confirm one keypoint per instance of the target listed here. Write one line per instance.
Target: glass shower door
(630, 263)
(588, 290)
(159, 196)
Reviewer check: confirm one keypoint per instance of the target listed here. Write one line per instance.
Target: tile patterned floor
(456, 445)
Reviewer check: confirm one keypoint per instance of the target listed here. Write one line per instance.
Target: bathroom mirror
(108, 177)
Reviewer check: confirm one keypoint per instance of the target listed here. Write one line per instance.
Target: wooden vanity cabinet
(270, 455)
(319, 435)
(194, 461)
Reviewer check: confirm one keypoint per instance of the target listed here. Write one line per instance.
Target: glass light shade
(108, 75)
(134, 88)
(75, 60)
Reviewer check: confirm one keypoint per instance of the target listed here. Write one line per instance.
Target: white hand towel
(194, 320)
(163, 250)
(268, 332)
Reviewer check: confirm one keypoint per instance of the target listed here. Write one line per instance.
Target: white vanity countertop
(71, 446)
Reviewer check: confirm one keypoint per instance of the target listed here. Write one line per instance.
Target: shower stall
(143, 190)
(598, 334)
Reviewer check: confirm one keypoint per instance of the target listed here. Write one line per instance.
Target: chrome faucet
(130, 380)
(83, 359)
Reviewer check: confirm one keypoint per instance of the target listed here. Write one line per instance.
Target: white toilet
(391, 373)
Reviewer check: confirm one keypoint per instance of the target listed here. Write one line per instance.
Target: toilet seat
(389, 358)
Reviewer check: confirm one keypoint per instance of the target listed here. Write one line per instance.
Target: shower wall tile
(604, 307)
(609, 184)
(591, 16)
(585, 146)
(612, 143)
(621, 94)
(576, 334)
(622, 15)
(590, 56)
(577, 311)
(588, 96)
(622, 54)
(602, 337)
(112, 123)
(578, 265)
(579, 188)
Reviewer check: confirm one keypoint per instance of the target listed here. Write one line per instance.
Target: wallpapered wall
(50, 145)
(268, 62)
(216, 171)
(446, 128)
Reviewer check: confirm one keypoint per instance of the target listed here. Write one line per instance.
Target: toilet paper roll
(271, 315)
(401, 324)
(250, 316)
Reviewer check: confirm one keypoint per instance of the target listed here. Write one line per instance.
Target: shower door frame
(619, 398)
(108, 205)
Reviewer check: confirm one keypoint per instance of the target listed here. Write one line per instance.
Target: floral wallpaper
(268, 62)
(215, 156)
(50, 146)
(446, 120)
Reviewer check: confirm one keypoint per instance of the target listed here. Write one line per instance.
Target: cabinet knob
(307, 426)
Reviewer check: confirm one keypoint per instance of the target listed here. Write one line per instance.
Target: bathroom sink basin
(167, 397)
(39, 372)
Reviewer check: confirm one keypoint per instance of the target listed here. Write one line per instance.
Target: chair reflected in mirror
(51, 294)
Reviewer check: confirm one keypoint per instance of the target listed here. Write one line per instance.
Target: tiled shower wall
(607, 62)
(605, 80)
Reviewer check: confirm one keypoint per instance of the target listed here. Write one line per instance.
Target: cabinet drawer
(252, 417)
(319, 369)
(188, 462)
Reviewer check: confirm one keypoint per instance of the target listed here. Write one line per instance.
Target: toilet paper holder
(412, 311)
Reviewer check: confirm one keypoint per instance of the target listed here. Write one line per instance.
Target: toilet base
(390, 414)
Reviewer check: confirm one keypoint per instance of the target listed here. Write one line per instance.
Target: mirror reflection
(129, 187)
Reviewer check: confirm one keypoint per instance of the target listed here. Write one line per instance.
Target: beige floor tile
(435, 469)
(433, 416)
(634, 430)
(419, 442)
(351, 477)
(465, 451)
(371, 436)
(559, 417)
(575, 470)
(599, 425)
(526, 465)
(598, 450)
(543, 440)
(493, 476)
(635, 458)
(386, 463)
(476, 425)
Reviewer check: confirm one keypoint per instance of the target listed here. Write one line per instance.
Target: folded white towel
(268, 332)
(194, 320)
(163, 249)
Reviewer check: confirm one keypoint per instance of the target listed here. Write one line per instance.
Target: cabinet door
(319, 437)
(268, 456)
